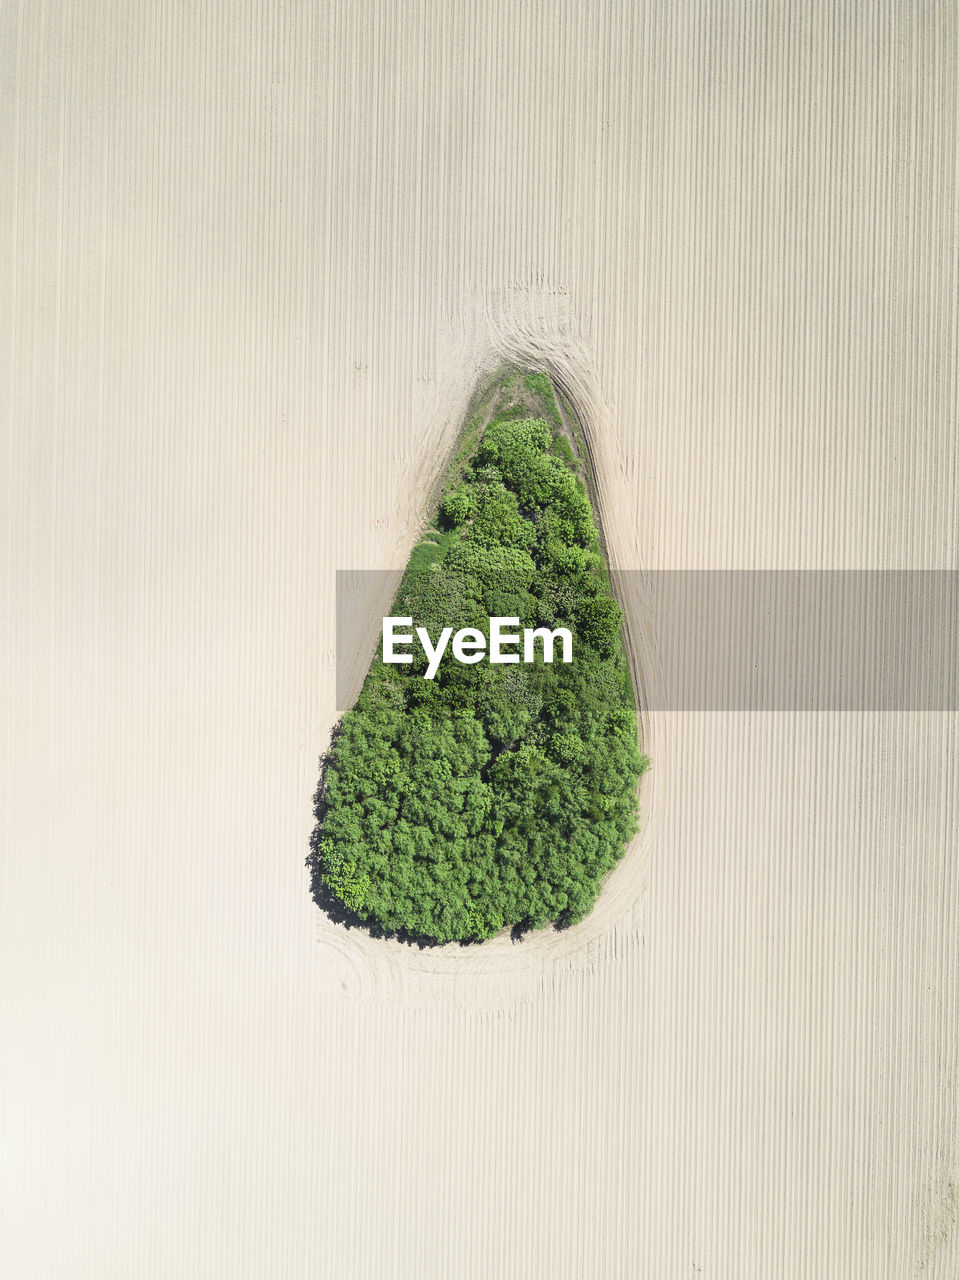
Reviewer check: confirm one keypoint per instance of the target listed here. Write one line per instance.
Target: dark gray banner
(752, 640)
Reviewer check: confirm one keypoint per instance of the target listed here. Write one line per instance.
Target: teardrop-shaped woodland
(490, 796)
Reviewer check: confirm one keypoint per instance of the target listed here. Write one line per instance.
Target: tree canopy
(491, 796)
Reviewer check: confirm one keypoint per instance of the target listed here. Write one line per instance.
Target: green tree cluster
(493, 796)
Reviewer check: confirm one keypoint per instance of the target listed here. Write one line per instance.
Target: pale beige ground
(256, 257)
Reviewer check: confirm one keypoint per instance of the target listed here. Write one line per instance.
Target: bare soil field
(257, 258)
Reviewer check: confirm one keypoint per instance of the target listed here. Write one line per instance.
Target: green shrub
(457, 507)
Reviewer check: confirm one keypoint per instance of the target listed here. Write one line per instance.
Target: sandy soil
(258, 257)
